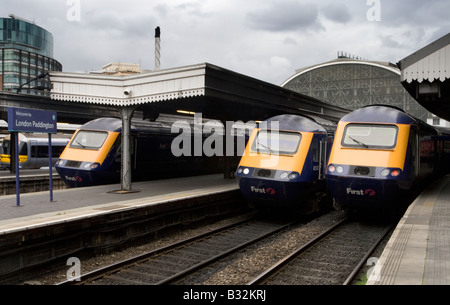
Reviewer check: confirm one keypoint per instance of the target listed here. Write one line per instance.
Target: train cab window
(89, 139)
(6, 147)
(283, 143)
(370, 136)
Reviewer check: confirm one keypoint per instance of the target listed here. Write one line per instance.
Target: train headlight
(246, 171)
(91, 165)
(339, 169)
(284, 175)
(331, 168)
(385, 172)
(292, 176)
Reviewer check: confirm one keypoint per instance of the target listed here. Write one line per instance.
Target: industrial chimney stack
(157, 48)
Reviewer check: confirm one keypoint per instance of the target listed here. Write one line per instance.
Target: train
(93, 155)
(33, 150)
(284, 163)
(381, 156)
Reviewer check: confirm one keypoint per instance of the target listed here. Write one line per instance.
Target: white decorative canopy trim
(129, 90)
(435, 66)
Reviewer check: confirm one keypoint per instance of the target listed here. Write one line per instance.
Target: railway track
(171, 263)
(332, 258)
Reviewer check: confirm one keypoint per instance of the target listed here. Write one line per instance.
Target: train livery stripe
(6, 159)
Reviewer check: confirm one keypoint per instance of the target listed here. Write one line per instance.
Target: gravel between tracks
(237, 270)
(242, 267)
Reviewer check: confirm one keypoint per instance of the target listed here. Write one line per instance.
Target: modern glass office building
(26, 54)
(353, 83)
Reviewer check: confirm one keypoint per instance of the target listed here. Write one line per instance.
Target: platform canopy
(214, 91)
(425, 74)
(429, 63)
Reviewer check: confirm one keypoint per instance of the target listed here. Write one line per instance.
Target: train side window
(56, 151)
(315, 149)
(415, 159)
(41, 151)
(6, 147)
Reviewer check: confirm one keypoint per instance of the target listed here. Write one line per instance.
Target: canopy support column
(126, 114)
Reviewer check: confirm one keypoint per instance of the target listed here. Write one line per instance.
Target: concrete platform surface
(36, 209)
(418, 252)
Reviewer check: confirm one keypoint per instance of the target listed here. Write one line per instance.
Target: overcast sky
(264, 39)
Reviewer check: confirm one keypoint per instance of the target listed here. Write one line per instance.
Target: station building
(351, 82)
(26, 55)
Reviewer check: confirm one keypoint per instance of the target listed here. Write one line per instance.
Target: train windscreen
(89, 139)
(6, 147)
(370, 136)
(283, 143)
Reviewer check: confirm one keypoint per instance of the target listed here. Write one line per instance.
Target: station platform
(418, 252)
(36, 210)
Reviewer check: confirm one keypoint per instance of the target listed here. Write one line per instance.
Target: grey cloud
(390, 42)
(285, 16)
(337, 13)
(415, 13)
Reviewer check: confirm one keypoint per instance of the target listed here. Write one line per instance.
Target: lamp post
(36, 78)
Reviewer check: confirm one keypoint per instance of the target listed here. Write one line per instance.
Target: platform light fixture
(186, 112)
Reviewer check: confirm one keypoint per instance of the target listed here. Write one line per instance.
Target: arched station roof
(355, 83)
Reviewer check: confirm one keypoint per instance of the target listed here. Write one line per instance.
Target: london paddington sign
(31, 120)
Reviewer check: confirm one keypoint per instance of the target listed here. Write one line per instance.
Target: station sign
(31, 120)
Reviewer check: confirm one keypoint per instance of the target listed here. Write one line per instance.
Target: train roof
(115, 125)
(41, 137)
(296, 122)
(105, 124)
(385, 114)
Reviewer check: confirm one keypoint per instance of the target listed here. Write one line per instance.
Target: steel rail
(98, 273)
(284, 261)
(358, 267)
(216, 258)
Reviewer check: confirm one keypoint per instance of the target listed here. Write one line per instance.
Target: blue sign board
(30, 120)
